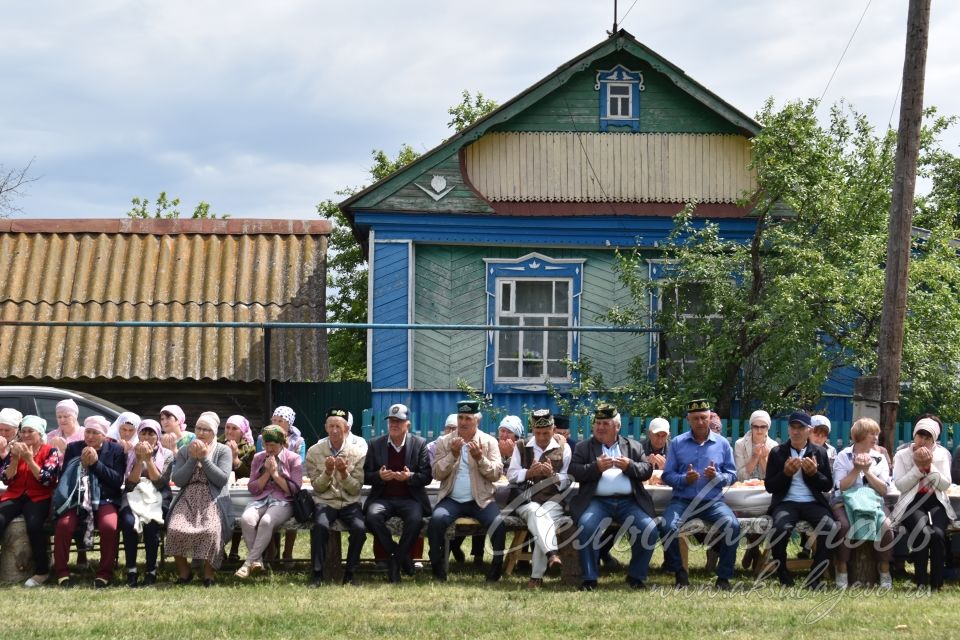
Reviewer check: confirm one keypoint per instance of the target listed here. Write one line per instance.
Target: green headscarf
(275, 434)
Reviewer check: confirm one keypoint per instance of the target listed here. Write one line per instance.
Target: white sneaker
(842, 582)
(886, 581)
(33, 582)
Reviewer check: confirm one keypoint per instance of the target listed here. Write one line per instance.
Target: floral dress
(194, 529)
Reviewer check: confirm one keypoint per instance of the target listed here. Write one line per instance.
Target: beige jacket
(483, 472)
(333, 490)
(743, 451)
(907, 477)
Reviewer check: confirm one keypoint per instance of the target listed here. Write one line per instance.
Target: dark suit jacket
(416, 459)
(110, 468)
(777, 482)
(583, 468)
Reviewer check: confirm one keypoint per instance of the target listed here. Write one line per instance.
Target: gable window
(619, 90)
(532, 292)
(618, 101)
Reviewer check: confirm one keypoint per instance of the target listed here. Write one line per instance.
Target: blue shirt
(684, 451)
(799, 491)
(462, 491)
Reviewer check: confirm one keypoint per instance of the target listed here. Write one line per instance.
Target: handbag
(302, 503)
(303, 506)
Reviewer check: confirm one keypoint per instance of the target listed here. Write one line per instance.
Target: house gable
(566, 100)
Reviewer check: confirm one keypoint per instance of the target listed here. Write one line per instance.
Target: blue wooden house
(514, 221)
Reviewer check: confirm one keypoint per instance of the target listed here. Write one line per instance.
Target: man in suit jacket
(397, 469)
(798, 474)
(611, 470)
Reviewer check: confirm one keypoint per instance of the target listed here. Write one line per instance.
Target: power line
(855, 29)
(628, 12)
(893, 107)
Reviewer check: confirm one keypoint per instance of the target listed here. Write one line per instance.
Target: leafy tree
(470, 109)
(167, 208)
(346, 264)
(773, 317)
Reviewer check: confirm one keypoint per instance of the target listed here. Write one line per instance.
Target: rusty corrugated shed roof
(189, 270)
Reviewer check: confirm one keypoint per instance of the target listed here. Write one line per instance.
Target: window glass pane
(508, 368)
(505, 290)
(624, 106)
(534, 297)
(619, 90)
(614, 107)
(561, 296)
(556, 344)
(533, 345)
(533, 369)
(556, 369)
(509, 341)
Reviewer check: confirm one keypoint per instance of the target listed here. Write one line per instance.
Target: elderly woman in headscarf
(275, 477)
(9, 425)
(30, 470)
(68, 428)
(508, 433)
(90, 489)
(146, 501)
(283, 417)
(173, 421)
(750, 452)
(921, 472)
(200, 515)
(123, 431)
(238, 437)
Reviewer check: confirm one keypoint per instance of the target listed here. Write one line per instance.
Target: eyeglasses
(759, 426)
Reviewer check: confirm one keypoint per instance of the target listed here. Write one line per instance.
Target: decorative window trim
(619, 76)
(533, 266)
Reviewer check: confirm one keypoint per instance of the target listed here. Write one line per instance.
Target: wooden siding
(450, 288)
(610, 167)
(664, 107)
(391, 266)
(460, 200)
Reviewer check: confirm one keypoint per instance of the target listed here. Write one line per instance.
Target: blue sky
(264, 109)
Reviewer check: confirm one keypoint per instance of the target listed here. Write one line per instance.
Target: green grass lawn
(278, 604)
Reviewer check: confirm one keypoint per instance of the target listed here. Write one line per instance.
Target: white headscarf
(126, 417)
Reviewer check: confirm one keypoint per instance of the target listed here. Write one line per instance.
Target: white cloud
(267, 108)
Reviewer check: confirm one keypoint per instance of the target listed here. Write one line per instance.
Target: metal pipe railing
(316, 325)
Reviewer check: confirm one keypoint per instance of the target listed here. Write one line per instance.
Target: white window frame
(629, 98)
(511, 313)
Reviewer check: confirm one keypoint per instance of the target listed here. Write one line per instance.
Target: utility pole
(890, 349)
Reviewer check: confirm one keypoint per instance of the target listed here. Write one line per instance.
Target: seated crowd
(116, 479)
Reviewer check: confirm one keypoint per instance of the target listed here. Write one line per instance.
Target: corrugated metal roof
(214, 271)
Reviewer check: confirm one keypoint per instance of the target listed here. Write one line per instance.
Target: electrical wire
(855, 29)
